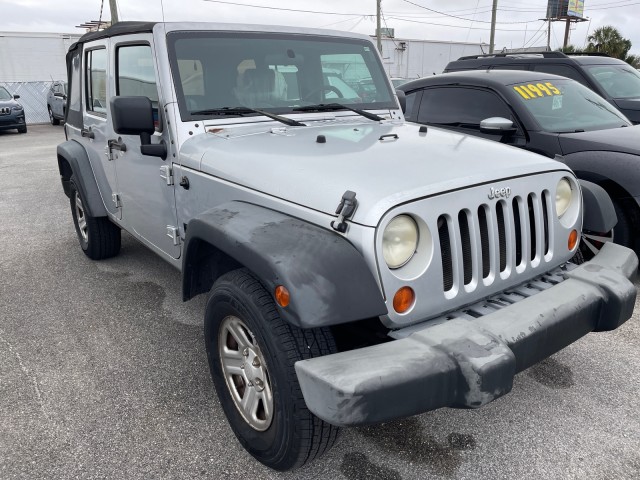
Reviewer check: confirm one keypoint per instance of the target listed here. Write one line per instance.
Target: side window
(464, 107)
(562, 70)
(56, 88)
(412, 105)
(96, 75)
(74, 115)
(135, 74)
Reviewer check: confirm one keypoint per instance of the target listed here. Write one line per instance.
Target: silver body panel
(261, 161)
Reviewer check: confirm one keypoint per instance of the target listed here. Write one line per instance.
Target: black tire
(52, 119)
(22, 129)
(98, 236)
(294, 435)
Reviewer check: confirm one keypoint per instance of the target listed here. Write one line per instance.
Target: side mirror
(497, 126)
(15, 97)
(134, 116)
(402, 99)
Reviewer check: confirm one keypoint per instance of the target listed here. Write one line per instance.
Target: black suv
(546, 114)
(611, 78)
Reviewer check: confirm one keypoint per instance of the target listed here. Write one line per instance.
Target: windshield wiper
(240, 111)
(325, 107)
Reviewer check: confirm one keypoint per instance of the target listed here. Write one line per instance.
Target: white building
(34, 57)
(411, 58)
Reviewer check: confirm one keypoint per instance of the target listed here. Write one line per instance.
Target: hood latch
(345, 209)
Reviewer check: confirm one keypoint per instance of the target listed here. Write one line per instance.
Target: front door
(147, 199)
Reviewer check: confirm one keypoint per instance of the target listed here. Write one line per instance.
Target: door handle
(117, 145)
(87, 133)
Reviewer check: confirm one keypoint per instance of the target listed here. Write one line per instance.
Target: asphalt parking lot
(103, 374)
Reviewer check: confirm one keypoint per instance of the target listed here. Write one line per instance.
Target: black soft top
(120, 28)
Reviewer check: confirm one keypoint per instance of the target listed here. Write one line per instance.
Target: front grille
(499, 238)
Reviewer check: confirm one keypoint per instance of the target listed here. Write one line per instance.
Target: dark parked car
(11, 112)
(609, 77)
(546, 114)
(56, 101)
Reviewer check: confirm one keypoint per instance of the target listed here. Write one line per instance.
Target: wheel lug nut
(256, 362)
(245, 352)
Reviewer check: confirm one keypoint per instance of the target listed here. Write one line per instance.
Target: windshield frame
(562, 83)
(376, 68)
(617, 66)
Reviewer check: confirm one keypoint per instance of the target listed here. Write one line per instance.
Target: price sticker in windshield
(537, 90)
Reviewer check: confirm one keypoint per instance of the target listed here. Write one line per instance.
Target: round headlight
(563, 196)
(399, 241)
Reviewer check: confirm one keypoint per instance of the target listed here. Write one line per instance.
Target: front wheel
(252, 353)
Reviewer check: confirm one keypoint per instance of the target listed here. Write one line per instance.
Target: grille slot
(465, 241)
(501, 238)
(484, 241)
(445, 252)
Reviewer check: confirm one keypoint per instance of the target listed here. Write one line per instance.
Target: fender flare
(599, 166)
(599, 215)
(328, 279)
(76, 157)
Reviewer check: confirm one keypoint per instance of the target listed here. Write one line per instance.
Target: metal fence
(33, 97)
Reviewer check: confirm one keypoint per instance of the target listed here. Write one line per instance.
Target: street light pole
(114, 11)
(378, 34)
(493, 26)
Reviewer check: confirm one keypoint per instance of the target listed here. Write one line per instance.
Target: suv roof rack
(589, 54)
(516, 54)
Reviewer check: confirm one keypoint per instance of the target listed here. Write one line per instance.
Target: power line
(290, 9)
(462, 18)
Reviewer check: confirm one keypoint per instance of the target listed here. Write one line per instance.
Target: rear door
(93, 131)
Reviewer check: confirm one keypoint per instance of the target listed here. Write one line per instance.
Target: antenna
(162, 8)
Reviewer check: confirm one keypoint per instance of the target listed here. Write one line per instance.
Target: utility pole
(114, 11)
(378, 35)
(493, 26)
(566, 33)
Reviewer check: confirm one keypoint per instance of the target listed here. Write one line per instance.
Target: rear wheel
(52, 119)
(252, 353)
(98, 236)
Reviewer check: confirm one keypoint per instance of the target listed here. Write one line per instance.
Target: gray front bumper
(468, 363)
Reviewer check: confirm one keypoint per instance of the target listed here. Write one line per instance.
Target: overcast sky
(518, 22)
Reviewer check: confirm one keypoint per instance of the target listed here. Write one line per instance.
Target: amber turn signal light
(403, 299)
(573, 239)
(282, 296)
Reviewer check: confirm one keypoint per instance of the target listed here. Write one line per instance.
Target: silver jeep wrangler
(359, 268)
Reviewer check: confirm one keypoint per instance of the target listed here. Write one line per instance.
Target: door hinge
(174, 234)
(116, 199)
(167, 174)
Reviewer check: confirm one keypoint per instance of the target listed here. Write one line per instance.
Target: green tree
(608, 40)
(569, 49)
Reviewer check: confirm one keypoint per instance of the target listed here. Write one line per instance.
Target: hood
(630, 107)
(386, 164)
(9, 103)
(625, 140)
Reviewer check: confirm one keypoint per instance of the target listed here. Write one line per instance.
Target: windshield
(4, 95)
(563, 106)
(273, 72)
(619, 81)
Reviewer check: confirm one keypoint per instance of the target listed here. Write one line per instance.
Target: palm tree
(608, 40)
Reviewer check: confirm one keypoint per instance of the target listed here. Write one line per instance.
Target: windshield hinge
(345, 209)
(115, 197)
(174, 234)
(167, 174)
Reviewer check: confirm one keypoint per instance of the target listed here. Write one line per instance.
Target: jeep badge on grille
(504, 192)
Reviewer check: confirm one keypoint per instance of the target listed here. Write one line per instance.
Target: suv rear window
(619, 81)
